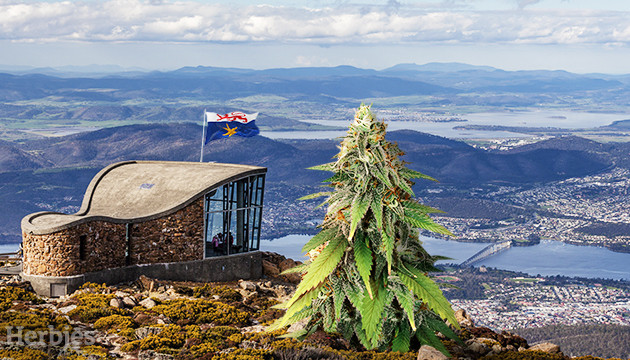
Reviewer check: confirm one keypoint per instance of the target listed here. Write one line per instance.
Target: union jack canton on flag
(221, 126)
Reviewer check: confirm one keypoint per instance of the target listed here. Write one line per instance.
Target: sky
(575, 35)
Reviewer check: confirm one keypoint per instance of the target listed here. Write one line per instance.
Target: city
(580, 211)
(504, 300)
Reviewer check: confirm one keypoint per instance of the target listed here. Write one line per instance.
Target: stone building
(167, 220)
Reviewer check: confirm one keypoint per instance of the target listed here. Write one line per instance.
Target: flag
(221, 126)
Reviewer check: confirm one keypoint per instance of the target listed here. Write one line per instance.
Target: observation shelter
(169, 220)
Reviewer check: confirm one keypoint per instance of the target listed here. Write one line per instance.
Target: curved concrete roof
(134, 191)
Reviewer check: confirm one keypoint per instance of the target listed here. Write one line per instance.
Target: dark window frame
(241, 206)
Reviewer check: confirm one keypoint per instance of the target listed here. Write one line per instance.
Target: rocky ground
(152, 319)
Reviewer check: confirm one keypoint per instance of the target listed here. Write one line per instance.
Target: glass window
(233, 216)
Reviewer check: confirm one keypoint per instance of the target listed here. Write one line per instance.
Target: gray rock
(117, 303)
(463, 318)
(281, 291)
(247, 285)
(120, 294)
(129, 301)
(546, 347)
(46, 306)
(67, 309)
(148, 303)
(476, 347)
(152, 355)
(147, 331)
(427, 352)
(270, 269)
(249, 295)
(246, 344)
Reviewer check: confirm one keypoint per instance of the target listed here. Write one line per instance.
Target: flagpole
(203, 135)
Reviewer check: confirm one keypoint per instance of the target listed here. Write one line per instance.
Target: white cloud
(393, 22)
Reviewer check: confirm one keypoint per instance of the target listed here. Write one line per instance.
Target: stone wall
(59, 253)
(173, 238)
(178, 237)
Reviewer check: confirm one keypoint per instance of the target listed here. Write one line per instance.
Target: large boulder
(427, 352)
(546, 347)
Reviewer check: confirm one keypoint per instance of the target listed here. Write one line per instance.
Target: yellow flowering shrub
(9, 294)
(114, 323)
(23, 354)
(170, 338)
(202, 312)
(32, 319)
(245, 354)
(203, 349)
(225, 293)
(93, 306)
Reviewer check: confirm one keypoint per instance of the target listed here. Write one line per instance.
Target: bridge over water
(488, 251)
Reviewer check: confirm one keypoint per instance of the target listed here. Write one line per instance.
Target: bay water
(563, 119)
(547, 258)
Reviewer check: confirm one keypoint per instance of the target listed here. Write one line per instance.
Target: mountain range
(450, 160)
(154, 115)
(450, 82)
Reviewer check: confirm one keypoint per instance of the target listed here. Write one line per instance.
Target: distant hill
(601, 340)
(449, 81)
(12, 158)
(621, 125)
(437, 67)
(569, 143)
(215, 85)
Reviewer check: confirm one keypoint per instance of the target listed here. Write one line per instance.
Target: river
(547, 258)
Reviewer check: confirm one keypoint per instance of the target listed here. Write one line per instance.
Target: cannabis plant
(367, 275)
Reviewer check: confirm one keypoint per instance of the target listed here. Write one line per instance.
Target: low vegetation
(175, 326)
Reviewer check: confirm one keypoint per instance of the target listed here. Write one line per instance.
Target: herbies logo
(16, 335)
